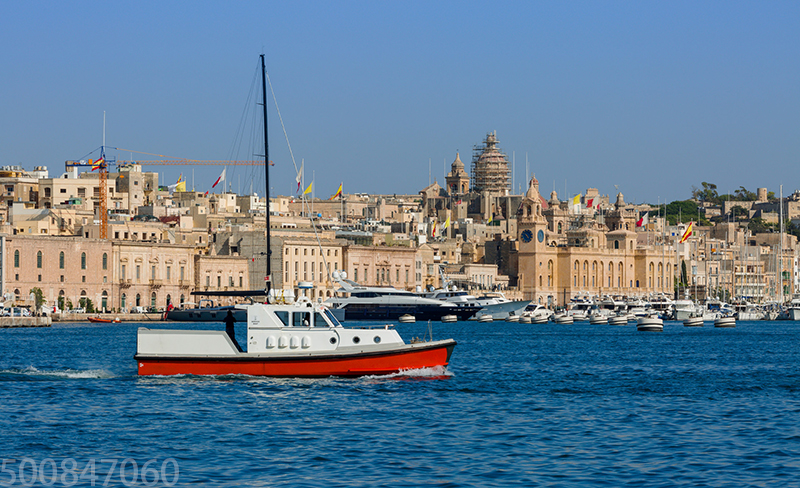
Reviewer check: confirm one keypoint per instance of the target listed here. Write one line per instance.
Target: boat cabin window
(301, 319)
(283, 317)
(332, 318)
(319, 320)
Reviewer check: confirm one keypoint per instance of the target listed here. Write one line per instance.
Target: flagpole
(341, 202)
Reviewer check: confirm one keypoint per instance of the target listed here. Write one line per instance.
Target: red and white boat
(297, 340)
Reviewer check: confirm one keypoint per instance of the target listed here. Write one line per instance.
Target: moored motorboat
(407, 319)
(693, 322)
(449, 319)
(527, 319)
(513, 318)
(650, 324)
(484, 319)
(103, 320)
(598, 319)
(302, 339)
(725, 321)
(563, 319)
(618, 320)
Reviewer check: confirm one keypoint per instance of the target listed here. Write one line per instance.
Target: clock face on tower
(527, 235)
(540, 235)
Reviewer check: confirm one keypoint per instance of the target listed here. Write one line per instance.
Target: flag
(433, 232)
(206, 193)
(686, 234)
(491, 217)
(338, 192)
(446, 223)
(299, 176)
(179, 185)
(221, 178)
(458, 202)
(642, 221)
(308, 190)
(576, 200)
(99, 163)
(589, 202)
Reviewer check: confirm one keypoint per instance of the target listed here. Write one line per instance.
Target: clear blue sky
(651, 96)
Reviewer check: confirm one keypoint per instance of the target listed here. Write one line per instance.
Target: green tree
(738, 211)
(757, 226)
(707, 194)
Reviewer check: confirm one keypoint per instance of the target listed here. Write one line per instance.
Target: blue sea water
(520, 405)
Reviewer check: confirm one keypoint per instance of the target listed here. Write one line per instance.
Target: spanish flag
(100, 163)
(686, 234)
(338, 192)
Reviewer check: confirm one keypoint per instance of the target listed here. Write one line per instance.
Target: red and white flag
(642, 221)
(221, 178)
(589, 202)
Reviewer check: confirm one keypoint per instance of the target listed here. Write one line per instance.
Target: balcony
(156, 283)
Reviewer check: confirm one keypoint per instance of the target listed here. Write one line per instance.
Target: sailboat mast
(266, 168)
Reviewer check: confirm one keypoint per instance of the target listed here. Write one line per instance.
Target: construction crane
(188, 162)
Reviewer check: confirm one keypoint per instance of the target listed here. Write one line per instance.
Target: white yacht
(387, 303)
(494, 304)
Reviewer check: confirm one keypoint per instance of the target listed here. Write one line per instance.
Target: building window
(152, 272)
(16, 258)
(181, 275)
(138, 272)
(83, 260)
(122, 300)
(138, 300)
(39, 259)
(122, 272)
(105, 261)
(153, 300)
(61, 260)
(169, 268)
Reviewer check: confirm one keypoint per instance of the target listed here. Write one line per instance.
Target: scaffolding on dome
(490, 171)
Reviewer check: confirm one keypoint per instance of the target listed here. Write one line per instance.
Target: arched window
(104, 300)
(616, 244)
(169, 300)
(61, 260)
(39, 259)
(83, 260)
(183, 299)
(16, 258)
(138, 300)
(559, 227)
(122, 300)
(105, 261)
(153, 299)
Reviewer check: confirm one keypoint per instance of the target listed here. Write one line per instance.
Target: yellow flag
(180, 186)
(308, 190)
(491, 217)
(577, 199)
(446, 223)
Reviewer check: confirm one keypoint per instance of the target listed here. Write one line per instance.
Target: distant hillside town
(157, 245)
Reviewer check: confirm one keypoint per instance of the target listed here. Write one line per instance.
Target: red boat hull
(377, 363)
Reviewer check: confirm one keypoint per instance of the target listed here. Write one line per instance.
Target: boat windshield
(332, 318)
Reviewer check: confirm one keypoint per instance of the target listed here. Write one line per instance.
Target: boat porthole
(333, 340)
(356, 340)
(377, 339)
